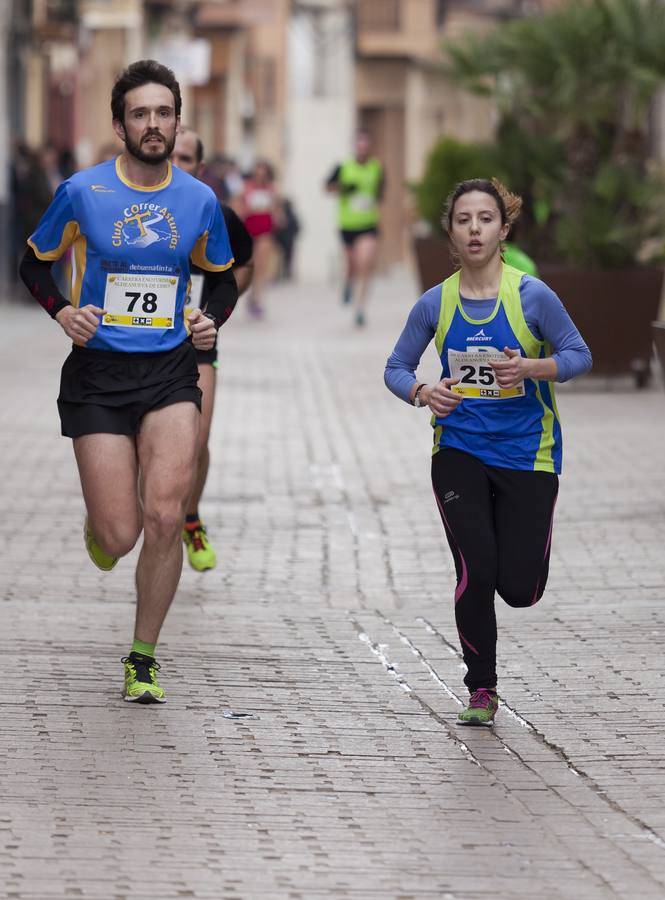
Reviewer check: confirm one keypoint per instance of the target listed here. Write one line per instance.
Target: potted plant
(575, 89)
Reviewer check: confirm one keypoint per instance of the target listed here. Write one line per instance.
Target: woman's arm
(420, 328)
(571, 355)
(548, 321)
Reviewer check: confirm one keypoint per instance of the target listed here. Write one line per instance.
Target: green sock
(143, 648)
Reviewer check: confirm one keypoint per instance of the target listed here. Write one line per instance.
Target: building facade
(286, 80)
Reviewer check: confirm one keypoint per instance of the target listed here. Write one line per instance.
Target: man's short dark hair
(145, 71)
(185, 129)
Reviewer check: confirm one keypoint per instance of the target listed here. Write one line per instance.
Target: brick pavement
(308, 748)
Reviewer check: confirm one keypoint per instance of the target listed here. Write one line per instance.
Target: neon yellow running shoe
(141, 685)
(102, 560)
(200, 554)
(481, 710)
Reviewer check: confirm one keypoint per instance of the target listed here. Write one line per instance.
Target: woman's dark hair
(145, 71)
(509, 204)
(268, 166)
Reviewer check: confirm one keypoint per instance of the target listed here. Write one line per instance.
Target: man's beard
(152, 159)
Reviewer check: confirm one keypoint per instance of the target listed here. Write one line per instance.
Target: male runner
(128, 392)
(359, 183)
(188, 156)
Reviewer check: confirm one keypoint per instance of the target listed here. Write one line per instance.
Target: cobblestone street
(308, 748)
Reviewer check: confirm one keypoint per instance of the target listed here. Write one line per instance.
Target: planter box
(433, 260)
(658, 331)
(613, 311)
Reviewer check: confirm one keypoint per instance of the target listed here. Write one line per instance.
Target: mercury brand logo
(479, 336)
(102, 189)
(143, 224)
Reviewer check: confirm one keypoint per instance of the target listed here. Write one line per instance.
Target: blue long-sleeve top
(545, 316)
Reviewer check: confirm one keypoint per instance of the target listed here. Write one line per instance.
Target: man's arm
(57, 230)
(79, 324)
(37, 277)
(243, 276)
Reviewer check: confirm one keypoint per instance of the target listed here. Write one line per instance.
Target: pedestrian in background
(258, 206)
(286, 232)
(503, 338)
(222, 175)
(359, 183)
(31, 193)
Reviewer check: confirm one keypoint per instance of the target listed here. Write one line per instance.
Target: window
(378, 15)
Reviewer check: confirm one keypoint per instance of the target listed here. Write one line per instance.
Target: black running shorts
(105, 392)
(350, 237)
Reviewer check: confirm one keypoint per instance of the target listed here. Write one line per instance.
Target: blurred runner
(359, 183)
(188, 156)
(514, 256)
(258, 206)
(288, 229)
(128, 392)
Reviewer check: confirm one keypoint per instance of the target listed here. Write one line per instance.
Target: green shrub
(575, 89)
(449, 162)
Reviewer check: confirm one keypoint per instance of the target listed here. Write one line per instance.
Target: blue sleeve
(543, 309)
(57, 229)
(420, 328)
(212, 251)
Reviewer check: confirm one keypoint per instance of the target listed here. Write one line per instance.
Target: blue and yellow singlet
(131, 251)
(515, 428)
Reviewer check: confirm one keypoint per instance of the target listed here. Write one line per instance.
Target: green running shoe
(102, 560)
(141, 685)
(200, 554)
(482, 708)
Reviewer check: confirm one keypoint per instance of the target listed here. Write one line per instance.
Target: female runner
(503, 338)
(259, 209)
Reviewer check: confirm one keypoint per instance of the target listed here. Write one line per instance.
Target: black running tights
(499, 526)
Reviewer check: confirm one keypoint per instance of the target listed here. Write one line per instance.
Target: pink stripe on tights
(547, 549)
(464, 641)
(464, 580)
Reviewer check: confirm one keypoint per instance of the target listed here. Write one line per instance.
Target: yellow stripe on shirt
(199, 258)
(69, 234)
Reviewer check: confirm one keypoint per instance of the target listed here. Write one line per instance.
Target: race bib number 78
(140, 301)
(476, 376)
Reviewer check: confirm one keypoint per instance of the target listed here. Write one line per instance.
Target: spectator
(286, 233)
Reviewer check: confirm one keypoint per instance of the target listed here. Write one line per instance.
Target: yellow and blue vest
(516, 433)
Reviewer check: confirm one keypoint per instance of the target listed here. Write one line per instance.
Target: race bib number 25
(140, 301)
(476, 376)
